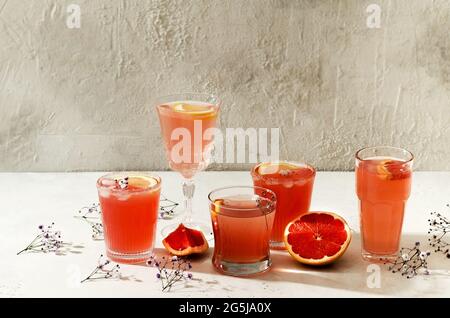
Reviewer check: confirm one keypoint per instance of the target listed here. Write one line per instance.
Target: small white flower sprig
(122, 183)
(104, 270)
(167, 208)
(410, 262)
(171, 270)
(439, 228)
(48, 240)
(92, 215)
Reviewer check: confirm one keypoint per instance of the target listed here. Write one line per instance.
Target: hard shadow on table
(350, 272)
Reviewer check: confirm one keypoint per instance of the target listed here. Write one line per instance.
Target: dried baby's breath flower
(171, 270)
(92, 215)
(48, 240)
(439, 228)
(167, 208)
(410, 262)
(122, 183)
(105, 269)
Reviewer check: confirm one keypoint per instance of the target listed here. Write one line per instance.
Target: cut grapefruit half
(185, 241)
(317, 238)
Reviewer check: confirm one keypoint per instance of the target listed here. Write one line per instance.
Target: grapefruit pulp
(317, 238)
(185, 241)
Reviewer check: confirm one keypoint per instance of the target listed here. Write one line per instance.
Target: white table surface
(30, 199)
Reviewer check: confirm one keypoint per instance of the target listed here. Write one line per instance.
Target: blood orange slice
(185, 241)
(317, 238)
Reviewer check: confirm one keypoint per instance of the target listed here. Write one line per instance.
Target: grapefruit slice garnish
(134, 182)
(141, 182)
(317, 238)
(218, 203)
(276, 168)
(192, 109)
(383, 170)
(185, 241)
(392, 169)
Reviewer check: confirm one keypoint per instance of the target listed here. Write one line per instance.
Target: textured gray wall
(79, 99)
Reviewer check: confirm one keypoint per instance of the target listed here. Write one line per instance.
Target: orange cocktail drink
(183, 127)
(129, 204)
(292, 183)
(383, 185)
(188, 125)
(242, 220)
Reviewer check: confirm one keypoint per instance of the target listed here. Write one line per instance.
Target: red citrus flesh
(317, 238)
(185, 241)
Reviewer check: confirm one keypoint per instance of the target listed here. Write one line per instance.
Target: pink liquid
(187, 153)
(129, 217)
(293, 185)
(383, 186)
(241, 230)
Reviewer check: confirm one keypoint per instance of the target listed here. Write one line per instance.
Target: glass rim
(174, 98)
(297, 163)
(243, 187)
(114, 175)
(406, 161)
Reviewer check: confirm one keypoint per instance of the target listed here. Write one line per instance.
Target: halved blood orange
(185, 241)
(317, 238)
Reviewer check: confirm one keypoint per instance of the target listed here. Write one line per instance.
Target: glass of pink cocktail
(292, 183)
(383, 185)
(242, 219)
(188, 123)
(130, 205)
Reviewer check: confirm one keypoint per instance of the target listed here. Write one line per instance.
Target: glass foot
(128, 258)
(378, 258)
(241, 269)
(204, 228)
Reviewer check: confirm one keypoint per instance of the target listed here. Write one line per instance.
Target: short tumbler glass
(242, 219)
(129, 204)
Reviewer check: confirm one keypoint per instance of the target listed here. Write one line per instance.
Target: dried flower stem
(92, 216)
(101, 272)
(410, 261)
(48, 240)
(170, 270)
(167, 208)
(439, 228)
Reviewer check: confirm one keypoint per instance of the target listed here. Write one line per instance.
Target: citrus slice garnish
(218, 203)
(317, 238)
(192, 109)
(185, 241)
(383, 171)
(141, 182)
(281, 168)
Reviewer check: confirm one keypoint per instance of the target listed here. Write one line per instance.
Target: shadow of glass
(350, 272)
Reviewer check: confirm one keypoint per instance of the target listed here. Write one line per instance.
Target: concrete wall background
(79, 99)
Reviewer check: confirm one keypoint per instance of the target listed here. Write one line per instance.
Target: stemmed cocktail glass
(187, 124)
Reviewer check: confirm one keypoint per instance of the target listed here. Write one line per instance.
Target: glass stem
(188, 192)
